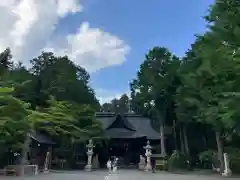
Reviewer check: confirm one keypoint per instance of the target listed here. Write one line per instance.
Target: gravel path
(121, 175)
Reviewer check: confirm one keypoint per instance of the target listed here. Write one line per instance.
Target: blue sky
(107, 37)
(168, 23)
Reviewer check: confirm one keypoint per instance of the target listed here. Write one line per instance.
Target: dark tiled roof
(41, 138)
(106, 121)
(123, 121)
(122, 133)
(141, 126)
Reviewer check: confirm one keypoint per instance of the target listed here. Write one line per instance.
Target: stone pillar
(90, 147)
(141, 164)
(148, 154)
(46, 164)
(95, 162)
(50, 150)
(227, 170)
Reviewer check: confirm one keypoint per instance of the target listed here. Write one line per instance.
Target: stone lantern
(90, 147)
(148, 153)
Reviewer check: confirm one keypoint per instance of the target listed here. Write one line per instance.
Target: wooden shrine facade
(126, 134)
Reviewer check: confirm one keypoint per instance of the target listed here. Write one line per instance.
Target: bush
(235, 164)
(209, 157)
(232, 151)
(206, 156)
(177, 161)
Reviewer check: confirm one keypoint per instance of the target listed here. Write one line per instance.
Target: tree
(224, 23)
(186, 112)
(124, 103)
(26, 106)
(5, 61)
(13, 121)
(214, 78)
(66, 121)
(59, 77)
(154, 86)
(106, 107)
(213, 68)
(121, 105)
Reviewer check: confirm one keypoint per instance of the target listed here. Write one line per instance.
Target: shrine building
(127, 134)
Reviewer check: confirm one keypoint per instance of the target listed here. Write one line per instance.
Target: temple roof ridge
(140, 125)
(111, 114)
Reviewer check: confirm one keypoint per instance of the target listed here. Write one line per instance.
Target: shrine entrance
(127, 150)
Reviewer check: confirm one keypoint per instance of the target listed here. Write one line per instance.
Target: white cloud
(92, 48)
(66, 6)
(28, 25)
(105, 96)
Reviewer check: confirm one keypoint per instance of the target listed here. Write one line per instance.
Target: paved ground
(122, 175)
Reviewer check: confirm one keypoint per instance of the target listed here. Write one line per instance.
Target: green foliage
(177, 161)
(61, 78)
(66, 121)
(120, 105)
(201, 88)
(13, 120)
(207, 156)
(210, 156)
(5, 61)
(234, 158)
(209, 73)
(5, 91)
(224, 20)
(52, 97)
(155, 84)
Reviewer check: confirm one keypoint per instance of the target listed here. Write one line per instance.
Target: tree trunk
(181, 140)
(25, 151)
(220, 150)
(163, 151)
(186, 141)
(204, 141)
(175, 135)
